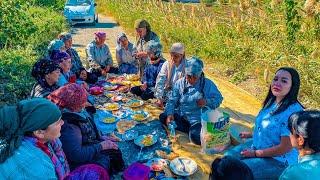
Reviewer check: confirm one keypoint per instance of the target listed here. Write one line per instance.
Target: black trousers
(145, 95)
(183, 125)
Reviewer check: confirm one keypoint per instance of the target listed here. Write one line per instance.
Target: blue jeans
(262, 168)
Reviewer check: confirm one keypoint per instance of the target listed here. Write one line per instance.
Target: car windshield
(78, 2)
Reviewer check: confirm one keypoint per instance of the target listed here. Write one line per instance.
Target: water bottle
(172, 129)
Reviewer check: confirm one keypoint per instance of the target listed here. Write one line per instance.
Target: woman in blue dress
(270, 151)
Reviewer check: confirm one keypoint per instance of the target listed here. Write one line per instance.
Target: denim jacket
(185, 96)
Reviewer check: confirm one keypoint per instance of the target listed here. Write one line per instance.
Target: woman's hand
(169, 119)
(107, 144)
(245, 135)
(201, 102)
(248, 153)
(141, 54)
(112, 138)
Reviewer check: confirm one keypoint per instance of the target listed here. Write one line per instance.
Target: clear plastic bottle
(172, 129)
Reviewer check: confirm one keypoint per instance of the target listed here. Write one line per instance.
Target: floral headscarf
(121, 35)
(59, 57)
(41, 68)
(71, 96)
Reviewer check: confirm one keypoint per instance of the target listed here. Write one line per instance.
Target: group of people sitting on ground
(57, 138)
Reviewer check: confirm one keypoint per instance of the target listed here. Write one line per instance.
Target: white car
(80, 11)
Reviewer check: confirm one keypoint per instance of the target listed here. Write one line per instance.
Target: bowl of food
(183, 166)
(140, 116)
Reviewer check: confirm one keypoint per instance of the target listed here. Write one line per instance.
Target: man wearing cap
(75, 58)
(144, 35)
(191, 93)
(146, 90)
(170, 72)
(99, 56)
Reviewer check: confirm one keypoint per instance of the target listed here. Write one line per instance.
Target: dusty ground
(240, 104)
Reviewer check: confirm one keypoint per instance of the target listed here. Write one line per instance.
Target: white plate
(183, 166)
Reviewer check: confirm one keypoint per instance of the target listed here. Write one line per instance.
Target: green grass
(25, 31)
(239, 41)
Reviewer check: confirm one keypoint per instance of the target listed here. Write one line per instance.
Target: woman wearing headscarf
(144, 35)
(146, 90)
(99, 56)
(189, 95)
(46, 72)
(64, 61)
(75, 58)
(170, 72)
(30, 147)
(305, 136)
(270, 151)
(81, 140)
(125, 55)
(55, 46)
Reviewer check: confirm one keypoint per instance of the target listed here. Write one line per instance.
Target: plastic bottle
(172, 129)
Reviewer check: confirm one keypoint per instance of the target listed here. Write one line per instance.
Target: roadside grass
(26, 29)
(240, 41)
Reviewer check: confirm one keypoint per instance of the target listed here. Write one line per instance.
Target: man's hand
(143, 87)
(245, 135)
(159, 103)
(248, 153)
(107, 144)
(169, 119)
(201, 102)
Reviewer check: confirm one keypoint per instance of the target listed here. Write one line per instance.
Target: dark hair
(290, 98)
(229, 168)
(79, 72)
(307, 124)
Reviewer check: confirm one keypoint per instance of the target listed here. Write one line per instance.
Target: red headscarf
(71, 96)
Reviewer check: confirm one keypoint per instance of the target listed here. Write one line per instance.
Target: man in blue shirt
(190, 94)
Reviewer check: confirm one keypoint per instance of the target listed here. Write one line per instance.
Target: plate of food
(110, 87)
(111, 106)
(139, 116)
(132, 77)
(109, 120)
(116, 79)
(134, 103)
(116, 98)
(123, 89)
(157, 164)
(121, 114)
(145, 140)
(183, 166)
(124, 125)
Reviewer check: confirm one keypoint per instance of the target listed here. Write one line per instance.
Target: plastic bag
(214, 135)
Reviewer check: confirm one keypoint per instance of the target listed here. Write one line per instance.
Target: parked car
(81, 11)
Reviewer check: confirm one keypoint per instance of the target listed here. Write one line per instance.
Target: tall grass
(238, 39)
